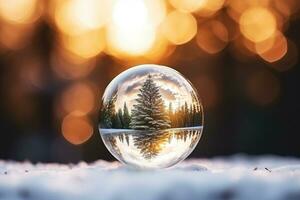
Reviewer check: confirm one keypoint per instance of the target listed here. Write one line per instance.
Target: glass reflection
(152, 149)
(151, 117)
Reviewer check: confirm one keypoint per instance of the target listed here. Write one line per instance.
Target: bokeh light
(187, 5)
(132, 29)
(209, 7)
(59, 50)
(77, 16)
(257, 24)
(276, 52)
(67, 66)
(237, 7)
(212, 36)
(20, 11)
(86, 45)
(15, 37)
(78, 97)
(289, 60)
(161, 49)
(76, 129)
(179, 28)
(287, 7)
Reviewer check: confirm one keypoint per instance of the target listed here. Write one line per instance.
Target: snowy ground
(236, 177)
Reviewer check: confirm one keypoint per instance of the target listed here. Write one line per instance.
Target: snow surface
(237, 177)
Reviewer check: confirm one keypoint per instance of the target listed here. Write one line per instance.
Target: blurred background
(57, 57)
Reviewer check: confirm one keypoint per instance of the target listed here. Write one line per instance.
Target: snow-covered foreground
(236, 177)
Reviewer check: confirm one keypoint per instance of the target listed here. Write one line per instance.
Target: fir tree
(116, 123)
(126, 117)
(192, 115)
(198, 116)
(120, 115)
(186, 115)
(108, 113)
(148, 113)
(171, 114)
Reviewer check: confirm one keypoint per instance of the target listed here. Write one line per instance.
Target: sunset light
(57, 57)
(179, 28)
(77, 16)
(257, 24)
(131, 31)
(19, 11)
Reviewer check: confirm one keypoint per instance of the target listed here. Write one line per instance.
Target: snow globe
(150, 117)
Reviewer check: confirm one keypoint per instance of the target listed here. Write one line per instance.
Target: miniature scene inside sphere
(150, 117)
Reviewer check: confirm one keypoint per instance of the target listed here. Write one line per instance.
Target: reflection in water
(152, 149)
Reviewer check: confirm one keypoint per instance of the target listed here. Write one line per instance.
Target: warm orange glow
(212, 37)
(77, 16)
(209, 7)
(78, 97)
(287, 7)
(263, 87)
(86, 45)
(157, 11)
(237, 7)
(263, 46)
(133, 27)
(67, 66)
(15, 36)
(76, 129)
(187, 5)
(179, 28)
(19, 11)
(160, 49)
(257, 24)
(289, 60)
(249, 45)
(276, 51)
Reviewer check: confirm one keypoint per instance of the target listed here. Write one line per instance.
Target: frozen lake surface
(112, 130)
(237, 177)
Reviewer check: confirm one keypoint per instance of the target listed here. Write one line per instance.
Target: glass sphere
(151, 117)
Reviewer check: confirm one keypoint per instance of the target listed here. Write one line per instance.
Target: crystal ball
(150, 117)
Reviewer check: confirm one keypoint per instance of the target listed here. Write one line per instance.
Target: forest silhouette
(150, 112)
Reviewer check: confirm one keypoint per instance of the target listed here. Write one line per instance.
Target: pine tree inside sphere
(150, 117)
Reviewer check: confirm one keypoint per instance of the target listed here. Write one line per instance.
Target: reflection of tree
(195, 139)
(113, 142)
(185, 134)
(124, 137)
(151, 143)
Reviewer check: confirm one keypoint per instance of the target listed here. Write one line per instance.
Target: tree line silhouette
(149, 112)
(184, 116)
